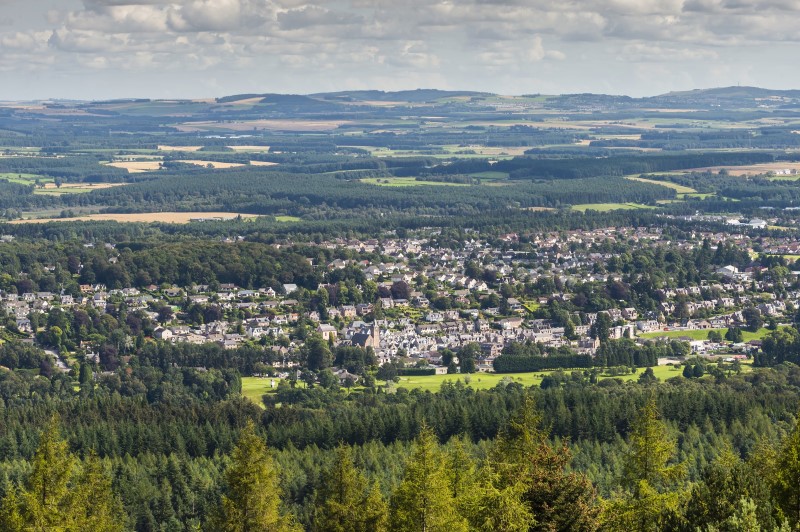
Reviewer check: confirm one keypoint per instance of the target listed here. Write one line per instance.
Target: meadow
(407, 182)
(702, 334)
(605, 207)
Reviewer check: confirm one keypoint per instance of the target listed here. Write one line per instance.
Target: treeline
(613, 165)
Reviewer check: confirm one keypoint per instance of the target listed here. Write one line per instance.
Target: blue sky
(204, 48)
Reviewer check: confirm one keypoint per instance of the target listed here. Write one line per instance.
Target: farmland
(605, 207)
(144, 217)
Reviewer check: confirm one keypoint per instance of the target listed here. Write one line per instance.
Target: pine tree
(45, 499)
(424, 501)
(558, 500)
(345, 502)
(252, 502)
(652, 494)
(94, 504)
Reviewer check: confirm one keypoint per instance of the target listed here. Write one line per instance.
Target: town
(414, 303)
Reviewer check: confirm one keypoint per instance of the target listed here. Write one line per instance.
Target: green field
(483, 381)
(407, 182)
(702, 334)
(287, 219)
(25, 179)
(605, 207)
(490, 175)
(680, 189)
(254, 387)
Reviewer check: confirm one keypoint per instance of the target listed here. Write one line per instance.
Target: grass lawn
(702, 334)
(605, 207)
(287, 219)
(478, 381)
(254, 387)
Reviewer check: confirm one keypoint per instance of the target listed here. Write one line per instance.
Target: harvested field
(179, 148)
(754, 169)
(214, 164)
(263, 149)
(262, 163)
(136, 167)
(164, 217)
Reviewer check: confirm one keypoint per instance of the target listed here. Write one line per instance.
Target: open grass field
(142, 217)
(407, 182)
(213, 164)
(605, 207)
(484, 381)
(254, 387)
(287, 219)
(25, 179)
(702, 334)
(680, 189)
(50, 189)
(490, 176)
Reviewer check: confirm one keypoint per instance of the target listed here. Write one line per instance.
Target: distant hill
(411, 96)
(732, 93)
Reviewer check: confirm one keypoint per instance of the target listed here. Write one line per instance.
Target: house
(328, 332)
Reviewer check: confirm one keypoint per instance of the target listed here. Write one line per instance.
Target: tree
(648, 377)
(687, 371)
(752, 318)
(252, 499)
(165, 314)
(346, 502)
(557, 499)
(650, 480)
(423, 500)
(316, 353)
(61, 493)
(600, 327)
(734, 334)
(467, 356)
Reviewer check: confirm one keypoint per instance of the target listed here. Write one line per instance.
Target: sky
(99, 49)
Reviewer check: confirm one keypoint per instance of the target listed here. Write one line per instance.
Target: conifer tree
(346, 503)
(652, 495)
(252, 501)
(558, 500)
(424, 501)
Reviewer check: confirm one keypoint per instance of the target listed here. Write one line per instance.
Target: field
(136, 167)
(407, 182)
(680, 189)
(605, 207)
(755, 169)
(263, 149)
(262, 163)
(702, 334)
(288, 219)
(146, 217)
(251, 125)
(50, 189)
(179, 148)
(213, 164)
(254, 387)
(483, 381)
